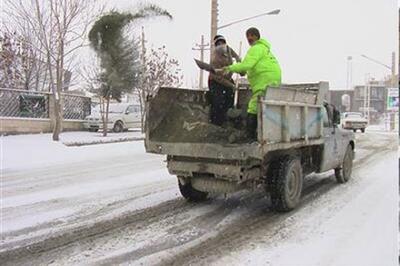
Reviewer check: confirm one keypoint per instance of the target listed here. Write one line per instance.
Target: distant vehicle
(354, 121)
(121, 117)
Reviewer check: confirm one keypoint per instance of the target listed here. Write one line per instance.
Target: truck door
(330, 152)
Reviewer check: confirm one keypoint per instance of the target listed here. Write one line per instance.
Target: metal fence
(76, 107)
(20, 103)
(32, 104)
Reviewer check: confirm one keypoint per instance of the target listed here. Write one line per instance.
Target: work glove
(221, 71)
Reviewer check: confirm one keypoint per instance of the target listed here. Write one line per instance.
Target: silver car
(121, 117)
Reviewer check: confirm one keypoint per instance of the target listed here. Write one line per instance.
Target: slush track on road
(99, 211)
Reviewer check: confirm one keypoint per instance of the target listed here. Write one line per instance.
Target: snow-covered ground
(114, 204)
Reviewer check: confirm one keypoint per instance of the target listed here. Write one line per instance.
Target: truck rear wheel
(191, 194)
(285, 183)
(343, 173)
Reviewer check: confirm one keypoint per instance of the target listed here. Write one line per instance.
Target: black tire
(363, 130)
(118, 127)
(191, 194)
(93, 129)
(343, 174)
(355, 130)
(285, 183)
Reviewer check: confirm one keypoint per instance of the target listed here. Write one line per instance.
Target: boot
(251, 126)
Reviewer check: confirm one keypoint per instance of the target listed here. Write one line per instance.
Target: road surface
(114, 204)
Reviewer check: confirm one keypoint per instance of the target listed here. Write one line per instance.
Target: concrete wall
(13, 124)
(10, 126)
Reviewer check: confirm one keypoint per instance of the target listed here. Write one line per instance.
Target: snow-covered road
(115, 204)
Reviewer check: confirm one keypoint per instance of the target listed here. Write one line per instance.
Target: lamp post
(214, 21)
(392, 68)
(274, 12)
(393, 82)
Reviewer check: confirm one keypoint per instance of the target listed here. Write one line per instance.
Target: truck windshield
(354, 116)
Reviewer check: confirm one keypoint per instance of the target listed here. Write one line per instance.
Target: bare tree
(159, 70)
(21, 66)
(59, 30)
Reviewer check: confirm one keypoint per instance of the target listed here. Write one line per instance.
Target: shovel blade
(204, 66)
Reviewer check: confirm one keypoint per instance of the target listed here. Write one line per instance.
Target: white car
(354, 121)
(121, 117)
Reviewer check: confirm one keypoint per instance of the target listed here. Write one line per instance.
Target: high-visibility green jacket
(262, 70)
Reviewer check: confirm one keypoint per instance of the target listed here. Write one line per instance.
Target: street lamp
(376, 61)
(274, 12)
(214, 20)
(392, 68)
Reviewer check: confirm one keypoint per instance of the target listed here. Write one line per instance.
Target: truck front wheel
(285, 183)
(343, 173)
(191, 194)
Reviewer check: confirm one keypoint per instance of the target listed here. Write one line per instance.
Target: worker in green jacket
(262, 71)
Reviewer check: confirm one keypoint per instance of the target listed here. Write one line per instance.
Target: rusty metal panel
(207, 150)
(289, 94)
(231, 172)
(314, 122)
(294, 121)
(272, 124)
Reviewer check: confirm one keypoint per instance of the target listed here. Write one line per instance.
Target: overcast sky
(311, 38)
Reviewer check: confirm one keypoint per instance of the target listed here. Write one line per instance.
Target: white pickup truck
(354, 121)
(298, 134)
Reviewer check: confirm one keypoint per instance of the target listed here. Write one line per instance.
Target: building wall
(336, 98)
(378, 98)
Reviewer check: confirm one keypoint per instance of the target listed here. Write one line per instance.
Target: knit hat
(218, 38)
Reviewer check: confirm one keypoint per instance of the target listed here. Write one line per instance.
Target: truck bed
(177, 123)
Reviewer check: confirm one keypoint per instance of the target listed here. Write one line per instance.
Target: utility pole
(214, 24)
(393, 69)
(367, 98)
(201, 47)
(236, 96)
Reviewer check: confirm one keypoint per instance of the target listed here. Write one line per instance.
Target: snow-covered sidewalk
(90, 138)
(38, 150)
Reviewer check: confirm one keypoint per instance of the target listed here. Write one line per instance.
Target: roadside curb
(96, 142)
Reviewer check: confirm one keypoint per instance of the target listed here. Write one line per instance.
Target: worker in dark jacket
(221, 86)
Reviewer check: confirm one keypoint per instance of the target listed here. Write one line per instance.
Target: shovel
(219, 78)
(205, 66)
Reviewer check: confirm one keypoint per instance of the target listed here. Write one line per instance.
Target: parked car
(121, 117)
(354, 121)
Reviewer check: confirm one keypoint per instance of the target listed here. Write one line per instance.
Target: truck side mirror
(336, 117)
